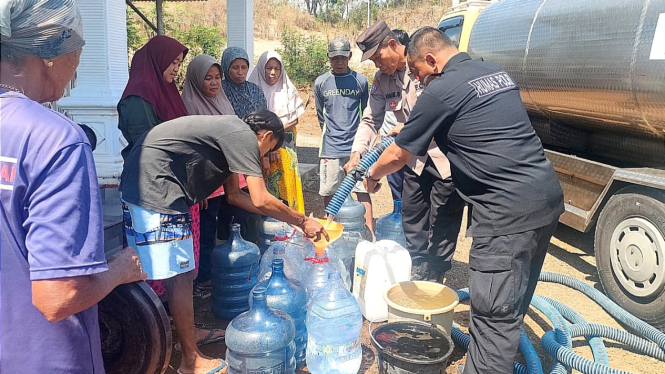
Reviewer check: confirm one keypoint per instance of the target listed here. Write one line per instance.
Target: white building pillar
(101, 79)
(240, 26)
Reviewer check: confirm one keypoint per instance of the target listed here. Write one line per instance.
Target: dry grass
(271, 16)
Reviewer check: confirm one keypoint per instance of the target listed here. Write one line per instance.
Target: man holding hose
(431, 209)
(473, 110)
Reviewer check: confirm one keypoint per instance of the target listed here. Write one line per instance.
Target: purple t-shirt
(51, 227)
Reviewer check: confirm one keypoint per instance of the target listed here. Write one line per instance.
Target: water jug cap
(235, 227)
(317, 260)
(281, 236)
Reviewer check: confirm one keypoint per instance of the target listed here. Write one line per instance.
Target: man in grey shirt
(341, 95)
(178, 164)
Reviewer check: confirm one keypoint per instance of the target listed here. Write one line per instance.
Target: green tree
(305, 57)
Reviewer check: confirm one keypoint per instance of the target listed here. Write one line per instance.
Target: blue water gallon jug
(352, 216)
(261, 340)
(268, 228)
(334, 321)
(293, 260)
(235, 270)
(389, 227)
(291, 298)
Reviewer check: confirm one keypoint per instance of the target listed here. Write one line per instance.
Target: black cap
(339, 46)
(370, 39)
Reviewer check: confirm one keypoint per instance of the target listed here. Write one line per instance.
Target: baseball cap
(370, 39)
(339, 46)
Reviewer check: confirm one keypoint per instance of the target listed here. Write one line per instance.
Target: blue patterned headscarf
(245, 97)
(43, 28)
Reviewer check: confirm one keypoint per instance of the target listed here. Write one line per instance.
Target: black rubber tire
(135, 331)
(630, 202)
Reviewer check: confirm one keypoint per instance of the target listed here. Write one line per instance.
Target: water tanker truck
(592, 77)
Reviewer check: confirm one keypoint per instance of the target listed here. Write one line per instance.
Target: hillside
(272, 16)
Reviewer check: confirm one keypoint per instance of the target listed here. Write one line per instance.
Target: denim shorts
(163, 241)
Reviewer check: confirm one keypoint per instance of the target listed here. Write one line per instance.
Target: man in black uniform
(474, 112)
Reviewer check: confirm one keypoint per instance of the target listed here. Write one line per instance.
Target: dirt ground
(570, 253)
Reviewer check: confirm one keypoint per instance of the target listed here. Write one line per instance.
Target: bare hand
(128, 265)
(312, 229)
(274, 157)
(203, 205)
(353, 161)
(265, 167)
(396, 129)
(371, 186)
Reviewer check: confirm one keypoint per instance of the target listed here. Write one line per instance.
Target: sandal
(207, 340)
(213, 371)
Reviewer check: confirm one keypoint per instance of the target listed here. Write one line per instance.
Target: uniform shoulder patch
(493, 83)
(375, 86)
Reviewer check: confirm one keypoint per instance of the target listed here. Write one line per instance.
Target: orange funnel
(334, 230)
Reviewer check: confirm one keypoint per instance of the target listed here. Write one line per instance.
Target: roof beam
(144, 18)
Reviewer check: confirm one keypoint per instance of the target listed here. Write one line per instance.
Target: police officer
(473, 110)
(431, 209)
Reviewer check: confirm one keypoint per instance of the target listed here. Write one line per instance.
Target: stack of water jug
(292, 307)
(286, 312)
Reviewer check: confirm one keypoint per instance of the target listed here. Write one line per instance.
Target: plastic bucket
(406, 347)
(422, 301)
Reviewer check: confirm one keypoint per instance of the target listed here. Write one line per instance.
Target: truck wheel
(630, 252)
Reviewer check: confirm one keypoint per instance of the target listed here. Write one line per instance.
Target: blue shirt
(340, 101)
(51, 227)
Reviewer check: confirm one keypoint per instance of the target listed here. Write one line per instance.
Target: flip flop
(213, 371)
(207, 340)
(203, 286)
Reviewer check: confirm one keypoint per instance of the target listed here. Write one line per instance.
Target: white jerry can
(378, 266)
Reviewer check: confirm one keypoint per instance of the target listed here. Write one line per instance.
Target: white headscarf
(282, 97)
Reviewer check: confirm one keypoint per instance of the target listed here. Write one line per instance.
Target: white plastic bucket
(422, 301)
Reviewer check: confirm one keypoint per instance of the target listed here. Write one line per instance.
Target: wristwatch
(368, 175)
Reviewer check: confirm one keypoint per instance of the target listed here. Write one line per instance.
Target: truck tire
(135, 331)
(630, 252)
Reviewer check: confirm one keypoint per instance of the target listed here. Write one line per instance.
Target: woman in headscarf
(203, 95)
(282, 97)
(150, 98)
(54, 271)
(245, 97)
(202, 92)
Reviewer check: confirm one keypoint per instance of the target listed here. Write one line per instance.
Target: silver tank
(589, 71)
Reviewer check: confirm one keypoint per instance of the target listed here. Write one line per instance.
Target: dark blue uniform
(475, 114)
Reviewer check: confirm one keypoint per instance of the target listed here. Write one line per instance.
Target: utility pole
(159, 13)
